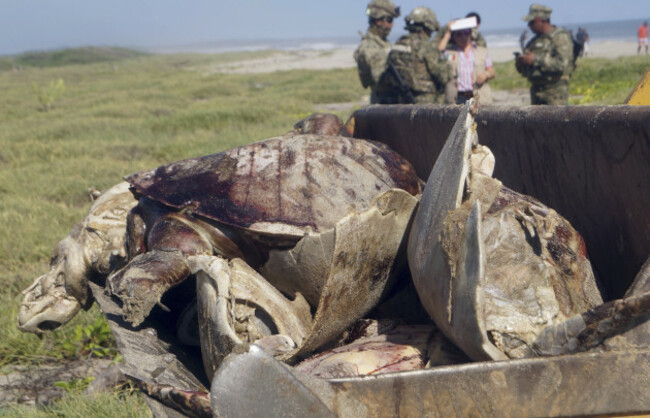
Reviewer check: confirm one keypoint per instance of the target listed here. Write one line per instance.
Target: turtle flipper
(627, 317)
(589, 329)
(238, 307)
(141, 283)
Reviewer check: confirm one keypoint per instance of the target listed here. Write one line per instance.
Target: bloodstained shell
(284, 185)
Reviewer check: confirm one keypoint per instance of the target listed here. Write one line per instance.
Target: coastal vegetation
(122, 111)
(595, 81)
(62, 57)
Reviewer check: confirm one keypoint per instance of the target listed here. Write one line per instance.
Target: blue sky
(49, 24)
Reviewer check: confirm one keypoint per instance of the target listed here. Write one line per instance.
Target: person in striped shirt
(472, 64)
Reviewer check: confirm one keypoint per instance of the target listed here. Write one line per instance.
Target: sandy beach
(342, 58)
(606, 49)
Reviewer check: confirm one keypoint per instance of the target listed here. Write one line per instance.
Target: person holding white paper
(477, 37)
(471, 62)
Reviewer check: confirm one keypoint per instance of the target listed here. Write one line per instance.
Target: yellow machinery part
(640, 96)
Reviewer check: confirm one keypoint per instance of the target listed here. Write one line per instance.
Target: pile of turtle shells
(327, 253)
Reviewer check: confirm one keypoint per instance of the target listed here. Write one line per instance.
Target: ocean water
(623, 30)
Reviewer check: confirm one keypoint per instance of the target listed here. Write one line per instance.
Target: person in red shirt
(643, 38)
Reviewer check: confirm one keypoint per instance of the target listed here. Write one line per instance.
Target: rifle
(404, 89)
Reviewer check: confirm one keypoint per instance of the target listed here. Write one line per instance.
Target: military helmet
(537, 10)
(378, 9)
(423, 16)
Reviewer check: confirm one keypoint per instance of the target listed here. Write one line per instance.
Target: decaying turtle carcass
(586, 383)
(373, 347)
(501, 274)
(312, 212)
(94, 247)
(322, 218)
(493, 267)
(511, 280)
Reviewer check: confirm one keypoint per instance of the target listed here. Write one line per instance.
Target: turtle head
(319, 124)
(46, 304)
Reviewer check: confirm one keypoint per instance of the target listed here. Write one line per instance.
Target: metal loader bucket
(589, 163)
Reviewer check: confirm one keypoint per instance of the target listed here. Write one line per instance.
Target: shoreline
(603, 49)
(342, 58)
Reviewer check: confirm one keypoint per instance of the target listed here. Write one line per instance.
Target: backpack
(395, 78)
(407, 72)
(400, 66)
(577, 47)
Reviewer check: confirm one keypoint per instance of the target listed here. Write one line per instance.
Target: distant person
(477, 37)
(472, 65)
(582, 37)
(373, 51)
(547, 61)
(417, 68)
(643, 38)
(570, 32)
(523, 38)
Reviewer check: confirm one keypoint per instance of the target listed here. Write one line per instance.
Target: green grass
(118, 116)
(596, 81)
(79, 405)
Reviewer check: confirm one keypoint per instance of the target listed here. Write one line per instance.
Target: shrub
(47, 95)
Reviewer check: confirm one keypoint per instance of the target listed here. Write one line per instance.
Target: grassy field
(596, 81)
(68, 126)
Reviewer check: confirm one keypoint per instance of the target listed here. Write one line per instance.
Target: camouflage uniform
(371, 58)
(422, 68)
(371, 55)
(550, 73)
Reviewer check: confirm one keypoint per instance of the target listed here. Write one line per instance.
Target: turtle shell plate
(285, 185)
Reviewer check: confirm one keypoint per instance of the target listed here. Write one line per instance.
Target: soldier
(372, 53)
(415, 65)
(547, 61)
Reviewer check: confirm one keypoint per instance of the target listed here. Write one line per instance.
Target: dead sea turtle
(367, 348)
(336, 189)
(94, 247)
(493, 267)
(372, 347)
(321, 217)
